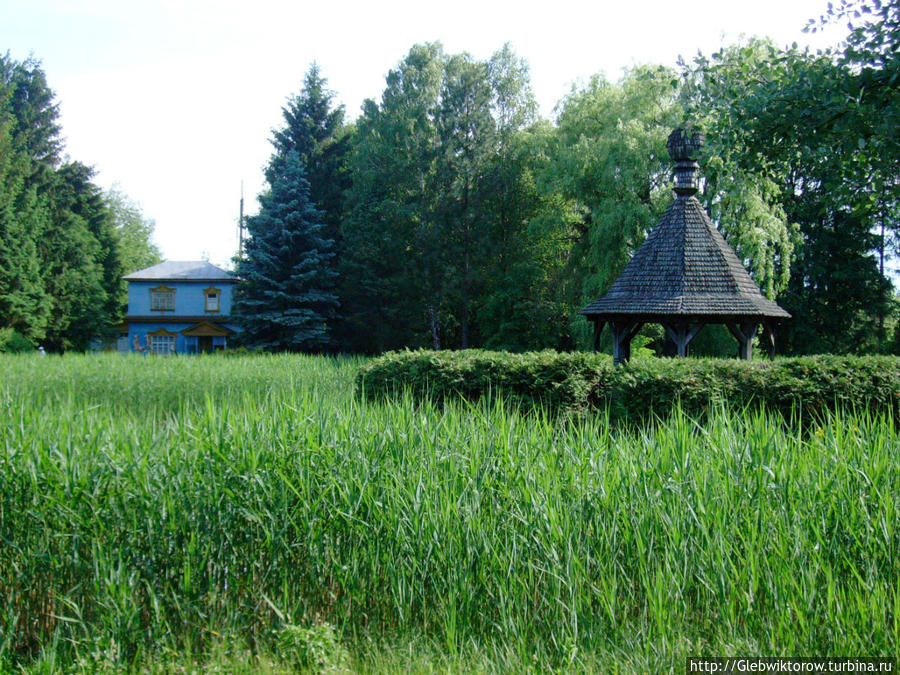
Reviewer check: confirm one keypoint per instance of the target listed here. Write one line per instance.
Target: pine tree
(314, 129)
(285, 298)
(24, 302)
(79, 261)
(60, 269)
(29, 148)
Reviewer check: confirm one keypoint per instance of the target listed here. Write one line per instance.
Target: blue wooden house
(179, 307)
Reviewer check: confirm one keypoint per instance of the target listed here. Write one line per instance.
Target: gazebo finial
(684, 149)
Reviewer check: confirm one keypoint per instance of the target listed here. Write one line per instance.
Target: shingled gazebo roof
(685, 268)
(685, 275)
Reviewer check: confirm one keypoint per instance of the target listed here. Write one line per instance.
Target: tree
(836, 306)
(28, 121)
(32, 104)
(314, 129)
(285, 298)
(394, 266)
(439, 245)
(80, 262)
(610, 163)
(59, 259)
(466, 136)
(61, 246)
(526, 298)
(868, 110)
(794, 127)
(24, 303)
(522, 299)
(742, 195)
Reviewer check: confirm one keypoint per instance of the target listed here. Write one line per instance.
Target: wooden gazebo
(685, 276)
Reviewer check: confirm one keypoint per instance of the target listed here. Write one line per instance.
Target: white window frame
(162, 299)
(164, 345)
(212, 299)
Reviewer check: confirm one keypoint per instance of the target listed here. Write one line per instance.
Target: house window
(162, 299)
(212, 296)
(162, 344)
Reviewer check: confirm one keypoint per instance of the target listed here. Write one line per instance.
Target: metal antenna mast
(241, 225)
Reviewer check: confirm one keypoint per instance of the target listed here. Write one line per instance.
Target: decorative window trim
(206, 293)
(162, 291)
(158, 338)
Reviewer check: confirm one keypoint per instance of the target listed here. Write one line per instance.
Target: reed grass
(153, 507)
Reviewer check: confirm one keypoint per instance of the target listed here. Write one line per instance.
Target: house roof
(181, 270)
(685, 268)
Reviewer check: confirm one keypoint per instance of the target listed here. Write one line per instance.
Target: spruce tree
(24, 301)
(60, 270)
(314, 129)
(285, 298)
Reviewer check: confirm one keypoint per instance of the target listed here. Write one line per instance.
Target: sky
(174, 101)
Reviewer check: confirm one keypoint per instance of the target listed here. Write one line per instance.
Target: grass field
(223, 514)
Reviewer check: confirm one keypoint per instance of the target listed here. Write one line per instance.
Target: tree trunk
(434, 319)
(464, 319)
(881, 316)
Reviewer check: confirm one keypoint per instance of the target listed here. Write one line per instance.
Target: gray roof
(685, 268)
(181, 270)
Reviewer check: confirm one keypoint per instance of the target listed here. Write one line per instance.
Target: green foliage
(441, 245)
(645, 387)
(743, 196)
(313, 141)
(24, 302)
(153, 509)
(316, 649)
(471, 222)
(804, 138)
(61, 256)
(395, 252)
(13, 342)
(612, 162)
(808, 386)
(314, 129)
(548, 379)
(80, 267)
(285, 298)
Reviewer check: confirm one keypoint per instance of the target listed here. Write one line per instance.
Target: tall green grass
(165, 506)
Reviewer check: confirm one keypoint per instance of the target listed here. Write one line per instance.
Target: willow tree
(802, 161)
(610, 163)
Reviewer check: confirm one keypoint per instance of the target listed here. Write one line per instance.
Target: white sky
(175, 100)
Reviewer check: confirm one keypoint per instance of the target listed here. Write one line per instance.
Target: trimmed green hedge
(582, 381)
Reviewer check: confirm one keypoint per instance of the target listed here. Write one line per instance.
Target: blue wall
(183, 344)
(189, 298)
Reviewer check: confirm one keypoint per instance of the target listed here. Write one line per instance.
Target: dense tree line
(453, 216)
(819, 132)
(64, 243)
(450, 214)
